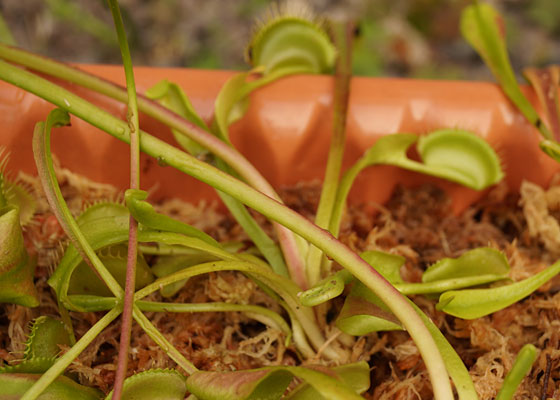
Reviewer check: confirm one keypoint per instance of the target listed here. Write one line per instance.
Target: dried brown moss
(416, 223)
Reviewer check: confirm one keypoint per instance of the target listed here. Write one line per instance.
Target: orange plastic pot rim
(286, 131)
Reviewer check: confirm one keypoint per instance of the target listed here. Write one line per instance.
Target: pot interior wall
(285, 132)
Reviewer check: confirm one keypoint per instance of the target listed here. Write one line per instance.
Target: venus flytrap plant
(253, 199)
(41, 141)
(154, 384)
(444, 154)
(16, 265)
(43, 345)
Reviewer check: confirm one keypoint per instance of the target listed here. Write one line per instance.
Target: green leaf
(521, 367)
(460, 156)
(99, 233)
(483, 27)
(18, 196)
(172, 96)
(480, 261)
(47, 176)
(289, 40)
(167, 265)
(355, 375)
(476, 303)
(108, 231)
(102, 210)
(155, 384)
(45, 338)
(144, 213)
(63, 388)
(230, 105)
(388, 265)
(453, 154)
(363, 311)
(37, 365)
(325, 290)
(85, 281)
(267, 383)
(16, 267)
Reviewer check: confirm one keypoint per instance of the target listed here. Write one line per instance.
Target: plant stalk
(134, 131)
(162, 342)
(343, 36)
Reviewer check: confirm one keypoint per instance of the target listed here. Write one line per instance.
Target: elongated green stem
(447, 284)
(269, 249)
(45, 169)
(162, 342)
(61, 363)
(262, 203)
(344, 188)
(343, 35)
(134, 129)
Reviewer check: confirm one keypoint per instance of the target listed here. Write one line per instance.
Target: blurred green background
(411, 38)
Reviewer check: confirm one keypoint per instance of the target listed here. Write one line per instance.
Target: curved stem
(343, 190)
(260, 202)
(45, 170)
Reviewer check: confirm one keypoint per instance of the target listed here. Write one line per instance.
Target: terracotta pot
(286, 130)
